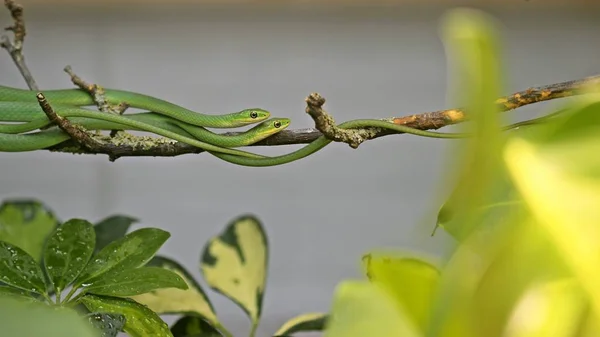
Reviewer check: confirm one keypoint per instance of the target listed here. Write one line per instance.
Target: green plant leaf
(131, 251)
(365, 309)
(472, 50)
(548, 309)
(8, 291)
(26, 224)
(109, 325)
(20, 270)
(194, 326)
(303, 323)
(411, 282)
(235, 264)
(177, 301)
(19, 318)
(111, 229)
(68, 251)
(139, 320)
(137, 281)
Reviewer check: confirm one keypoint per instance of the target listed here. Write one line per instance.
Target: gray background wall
(322, 212)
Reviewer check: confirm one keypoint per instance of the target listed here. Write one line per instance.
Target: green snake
(323, 141)
(78, 97)
(13, 109)
(35, 118)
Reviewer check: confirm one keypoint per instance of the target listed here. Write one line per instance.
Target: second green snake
(78, 97)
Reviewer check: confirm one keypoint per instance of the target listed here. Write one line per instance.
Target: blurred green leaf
(131, 251)
(20, 270)
(109, 325)
(235, 264)
(68, 251)
(303, 323)
(111, 229)
(26, 224)
(30, 319)
(411, 282)
(565, 205)
(471, 45)
(137, 281)
(548, 309)
(177, 301)
(139, 320)
(365, 309)
(194, 326)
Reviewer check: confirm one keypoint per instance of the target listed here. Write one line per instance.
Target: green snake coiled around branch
(78, 97)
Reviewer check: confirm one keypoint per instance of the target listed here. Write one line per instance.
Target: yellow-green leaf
(362, 309)
(565, 205)
(472, 52)
(140, 321)
(235, 264)
(411, 282)
(548, 309)
(26, 224)
(306, 322)
(177, 301)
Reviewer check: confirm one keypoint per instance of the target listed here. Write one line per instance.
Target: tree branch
(15, 47)
(424, 121)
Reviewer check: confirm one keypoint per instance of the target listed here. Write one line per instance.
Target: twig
(77, 134)
(326, 124)
(423, 121)
(15, 47)
(97, 93)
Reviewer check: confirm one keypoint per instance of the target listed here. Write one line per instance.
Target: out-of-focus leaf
(139, 320)
(472, 51)
(137, 281)
(411, 282)
(67, 251)
(235, 264)
(565, 205)
(177, 301)
(26, 224)
(194, 326)
(109, 325)
(20, 270)
(31, 319)
(131, 251)
(365, 309)
(303, 323)
(548, 309)
(111, 229)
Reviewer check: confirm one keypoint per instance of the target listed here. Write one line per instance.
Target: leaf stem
(73, 290)
(58, 292)
(223, 330)
(254, 327)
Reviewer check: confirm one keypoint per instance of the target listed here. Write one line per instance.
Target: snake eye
(277, 124)
(253, 114)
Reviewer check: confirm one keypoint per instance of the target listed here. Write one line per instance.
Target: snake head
(270, 127)
(251, 116)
